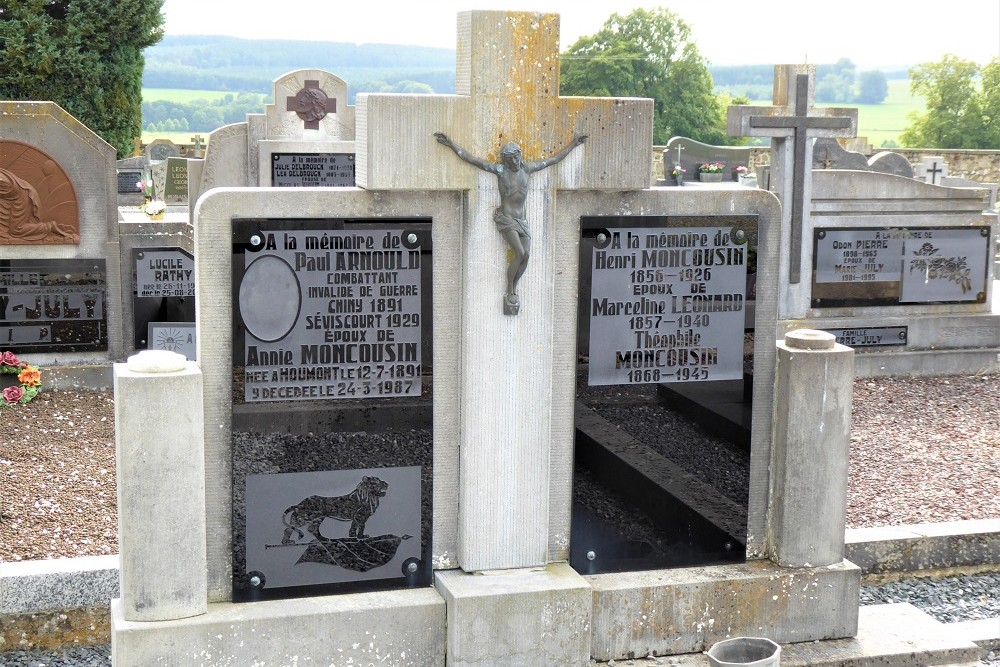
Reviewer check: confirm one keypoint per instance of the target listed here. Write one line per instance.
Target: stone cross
(508, 91)
(792, 123)
(933, 168)
(196, 140)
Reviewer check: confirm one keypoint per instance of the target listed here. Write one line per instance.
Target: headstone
(130, 172)
(197, 140)
(484, 116)
(901, 267)
(175, 187)
(691, 154)
(304, 139)
(161, 149)
(882, 250)
(829, 154)
(163, 300)
(61, 297)
(933, 168)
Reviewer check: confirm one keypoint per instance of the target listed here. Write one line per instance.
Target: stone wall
(978, 165)
(982, 166)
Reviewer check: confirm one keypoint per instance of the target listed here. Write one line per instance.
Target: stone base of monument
(517, 617)
(389, 627)
(687, 610)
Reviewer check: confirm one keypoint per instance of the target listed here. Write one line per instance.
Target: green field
(882, 122)
(176, 137)
(182, 95)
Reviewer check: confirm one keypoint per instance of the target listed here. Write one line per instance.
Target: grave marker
(160, 149)
(791, 123)
(933, 168)
(175, 189)
(163, 299)
(60, 287)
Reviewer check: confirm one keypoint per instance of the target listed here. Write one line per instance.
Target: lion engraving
(356, 507)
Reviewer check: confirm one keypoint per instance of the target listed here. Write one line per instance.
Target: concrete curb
(41, 589)
(926, 546)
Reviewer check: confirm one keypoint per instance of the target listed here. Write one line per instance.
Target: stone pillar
(161, 487)
(809, 457)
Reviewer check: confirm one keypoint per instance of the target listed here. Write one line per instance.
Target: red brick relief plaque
(37, 200)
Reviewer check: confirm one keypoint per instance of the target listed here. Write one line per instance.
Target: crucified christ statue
(512, 178)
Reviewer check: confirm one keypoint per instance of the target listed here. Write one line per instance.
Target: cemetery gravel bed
(57, 477)
(922, 450)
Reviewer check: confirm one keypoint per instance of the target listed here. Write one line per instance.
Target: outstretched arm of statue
(464, 154)
(560, 156)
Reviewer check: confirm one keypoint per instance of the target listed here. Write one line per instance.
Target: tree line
(88, 56)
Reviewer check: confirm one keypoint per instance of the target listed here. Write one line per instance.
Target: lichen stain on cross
(793, 118)
(507, 89)
(311, 104)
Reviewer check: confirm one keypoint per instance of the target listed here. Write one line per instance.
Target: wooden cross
(508, 91)
(137, 147)
(791, 123)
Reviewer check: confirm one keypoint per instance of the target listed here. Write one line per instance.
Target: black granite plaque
(863, 266)
(870, 336)
(331, 314)
(332, 432)
(299, 170)
(163, 292)
(128, 181)
(661, 308)
(667, 305)
(53, 305)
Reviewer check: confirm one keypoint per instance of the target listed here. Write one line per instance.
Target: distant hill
(211, 62)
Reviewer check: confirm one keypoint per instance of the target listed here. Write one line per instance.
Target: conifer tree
(84, 55)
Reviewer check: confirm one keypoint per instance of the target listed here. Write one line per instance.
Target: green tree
(835, 83)
(84, 55)
(954, 113)
(649, 53)
(990, 105)
(872, 88)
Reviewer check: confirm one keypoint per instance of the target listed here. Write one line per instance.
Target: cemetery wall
(978, 165)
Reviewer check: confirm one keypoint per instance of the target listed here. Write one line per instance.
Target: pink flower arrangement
(29, 376)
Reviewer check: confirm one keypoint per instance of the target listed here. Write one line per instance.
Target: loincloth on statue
(505, 222)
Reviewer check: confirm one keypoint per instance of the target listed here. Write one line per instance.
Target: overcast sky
(872, 33)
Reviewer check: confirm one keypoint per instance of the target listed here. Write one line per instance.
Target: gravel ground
(940, 436)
